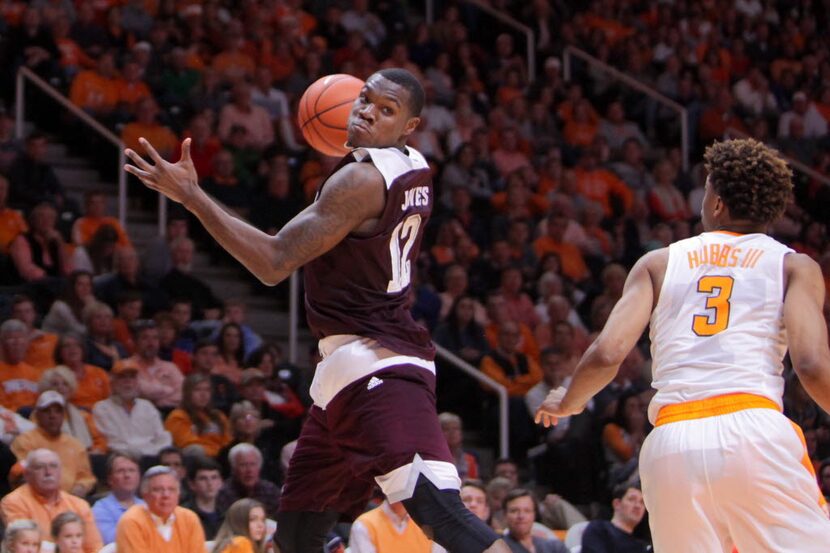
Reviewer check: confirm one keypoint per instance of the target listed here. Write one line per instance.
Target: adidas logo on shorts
(374, 382)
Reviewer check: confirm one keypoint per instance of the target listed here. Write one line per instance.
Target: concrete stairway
(227, 280)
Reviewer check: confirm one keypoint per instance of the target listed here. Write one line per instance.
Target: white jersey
(718, 324)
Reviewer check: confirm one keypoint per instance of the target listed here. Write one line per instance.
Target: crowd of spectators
(546, 192)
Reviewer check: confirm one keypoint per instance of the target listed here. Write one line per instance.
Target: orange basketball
(324, 112)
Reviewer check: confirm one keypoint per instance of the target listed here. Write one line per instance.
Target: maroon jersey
(361, 286)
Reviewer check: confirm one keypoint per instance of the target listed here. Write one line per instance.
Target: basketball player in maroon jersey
(373, 420)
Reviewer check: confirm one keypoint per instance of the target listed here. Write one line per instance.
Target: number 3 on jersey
(721, 289)
(407, 230)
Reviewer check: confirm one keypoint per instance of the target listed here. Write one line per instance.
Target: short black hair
(620, 490)
(201, 463)
(411, 83)
(203, 343)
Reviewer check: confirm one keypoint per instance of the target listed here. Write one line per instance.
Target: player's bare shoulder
(803, 270)
(356, 190)
(655, 263)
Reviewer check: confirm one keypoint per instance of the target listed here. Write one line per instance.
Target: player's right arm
(806, 327)
(351, 197)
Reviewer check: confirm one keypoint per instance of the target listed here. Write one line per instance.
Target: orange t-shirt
(12, 224)
(162, 138)
(93, 91)
(41, 351)
(132, 93)
(233, 63)
(85, 227)
(598, 185)
(573, 264)
(18, 385)
(92, 388)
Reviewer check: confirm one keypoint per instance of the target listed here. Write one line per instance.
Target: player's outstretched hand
(178, 181)
(551, 409)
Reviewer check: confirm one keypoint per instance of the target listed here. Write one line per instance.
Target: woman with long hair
(78, 423)
(68, 533)
(231, 352)
(66, 313)
(244, 529)
(21, 536)
(196, 423)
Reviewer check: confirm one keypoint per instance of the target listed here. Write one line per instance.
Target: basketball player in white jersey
(723, 467)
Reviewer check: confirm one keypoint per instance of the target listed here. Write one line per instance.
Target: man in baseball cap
(50, 412)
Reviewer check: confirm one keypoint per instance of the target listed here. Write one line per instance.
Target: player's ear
(411, 125)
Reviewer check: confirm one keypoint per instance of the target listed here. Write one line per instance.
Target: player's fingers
(140, 162)
(154, 155)
(133, 170)
(186, 150)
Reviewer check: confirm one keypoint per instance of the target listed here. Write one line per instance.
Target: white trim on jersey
(347, 358)
(392, 162)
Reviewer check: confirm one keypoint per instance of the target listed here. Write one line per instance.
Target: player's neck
(622, 525)
(741, 227)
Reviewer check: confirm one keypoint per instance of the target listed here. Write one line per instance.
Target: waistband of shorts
(712, 407)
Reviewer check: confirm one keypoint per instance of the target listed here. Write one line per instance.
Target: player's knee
(445, 519)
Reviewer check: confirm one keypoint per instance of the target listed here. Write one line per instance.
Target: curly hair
(751, 178)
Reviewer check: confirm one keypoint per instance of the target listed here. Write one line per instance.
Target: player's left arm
(601, 361)
(352, 196)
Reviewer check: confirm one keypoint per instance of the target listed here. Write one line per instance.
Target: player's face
(380, 116)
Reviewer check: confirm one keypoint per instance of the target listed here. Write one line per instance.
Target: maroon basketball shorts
(380, 429)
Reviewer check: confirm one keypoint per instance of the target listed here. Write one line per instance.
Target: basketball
(324, 112)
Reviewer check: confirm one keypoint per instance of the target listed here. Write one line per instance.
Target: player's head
(748, 184)
(387, 110)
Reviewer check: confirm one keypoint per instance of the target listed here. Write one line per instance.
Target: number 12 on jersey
(721, 289)
(406, 231)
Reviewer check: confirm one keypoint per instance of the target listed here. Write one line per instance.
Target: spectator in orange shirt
(145, 125)
(573, 264)
(93, 382)
(95, 208)
(96, 90)
(196, 425)
(40, 348)
(12, 223)
(131, 88)
(18, 379)
(582, 128)
(600, 185)
(73, 58)
(497, 315)
(232, 64)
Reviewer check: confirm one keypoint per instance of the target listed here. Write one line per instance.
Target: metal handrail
(507, 20)
(802, 167)
(25, 74)
(571, 51)
(504, 417)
